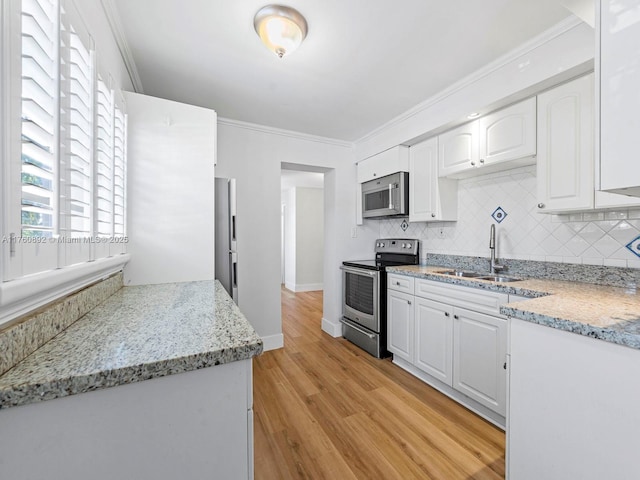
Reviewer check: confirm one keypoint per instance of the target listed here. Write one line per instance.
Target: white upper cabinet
(619, 62)
(566, 166)
(565, 147)
(390, 161)
(485, 145)
(430, 198)
(508, 134)
(458, 150)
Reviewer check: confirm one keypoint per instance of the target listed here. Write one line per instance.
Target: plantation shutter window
(39, 173)
(66, 163)
(79, 138)
(104, 160)
(120, 171)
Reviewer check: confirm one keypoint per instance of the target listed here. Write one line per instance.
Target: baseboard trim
(333, 329)
(273, 342)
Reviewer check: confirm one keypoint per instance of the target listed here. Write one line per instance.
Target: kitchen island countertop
(139, 333)
(607, 313)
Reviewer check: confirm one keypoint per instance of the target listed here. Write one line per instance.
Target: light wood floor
(323, 408)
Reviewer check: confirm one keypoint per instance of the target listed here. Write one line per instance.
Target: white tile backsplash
(592, 238)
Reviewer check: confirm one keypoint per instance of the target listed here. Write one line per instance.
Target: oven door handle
(359, 271)
(355, 327)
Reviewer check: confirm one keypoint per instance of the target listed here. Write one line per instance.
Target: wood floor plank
(326, 409)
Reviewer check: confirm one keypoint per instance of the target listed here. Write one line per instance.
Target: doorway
(302, 227)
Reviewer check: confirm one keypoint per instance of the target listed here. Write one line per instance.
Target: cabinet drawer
(466, 297)
(401, 283)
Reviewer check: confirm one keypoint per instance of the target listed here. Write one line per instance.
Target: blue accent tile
(634, 246)
(404, 225)
(499, 214)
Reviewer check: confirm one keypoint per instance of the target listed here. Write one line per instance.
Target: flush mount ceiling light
(280, 28)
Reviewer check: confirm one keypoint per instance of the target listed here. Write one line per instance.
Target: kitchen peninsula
(154, 424)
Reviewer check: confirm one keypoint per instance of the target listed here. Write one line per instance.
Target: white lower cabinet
(479, 358)
(400, 324)
(433, 339)
(454, 338)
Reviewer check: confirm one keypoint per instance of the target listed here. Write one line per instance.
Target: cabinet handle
(375, 174)
(433, 215)
(397, 283)
(473, 164)
(456, 317)
(505, 365)
(446, 314)
(541, 205)
(409, 302)
(482, 160)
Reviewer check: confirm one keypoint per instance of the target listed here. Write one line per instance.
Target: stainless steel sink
(498, 278)
(460, 273)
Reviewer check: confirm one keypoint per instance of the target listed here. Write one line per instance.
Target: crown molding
(284, 133)
(560, 28)
(113, 17)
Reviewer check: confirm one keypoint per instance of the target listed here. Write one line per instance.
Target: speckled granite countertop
(606, 313)
(138, 333)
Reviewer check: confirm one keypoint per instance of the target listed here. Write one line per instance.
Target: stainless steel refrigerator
(226, 256)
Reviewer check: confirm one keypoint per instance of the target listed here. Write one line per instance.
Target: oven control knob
(382, 244)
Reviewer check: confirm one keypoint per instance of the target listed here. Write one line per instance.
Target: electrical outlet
(354, 232)
(441, 232)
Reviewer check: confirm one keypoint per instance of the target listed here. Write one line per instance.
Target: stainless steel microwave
(386, 196)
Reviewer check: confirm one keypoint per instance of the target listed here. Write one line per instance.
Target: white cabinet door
(434, 332)
(508, 134)
(619, 29)
(458, 149)
(430, 198)
(479, 356)
(400, 324)
(390, 161)
(565, 147)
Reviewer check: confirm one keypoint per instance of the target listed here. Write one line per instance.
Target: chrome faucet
(495, 268)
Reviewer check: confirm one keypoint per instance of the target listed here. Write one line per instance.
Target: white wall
(253, 155)
(304, 238)
(289, 202)
(310, 238)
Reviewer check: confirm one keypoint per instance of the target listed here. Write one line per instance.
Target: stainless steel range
(364, 293)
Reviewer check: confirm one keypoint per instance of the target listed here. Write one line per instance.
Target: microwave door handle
(393, 188)
(391, 196)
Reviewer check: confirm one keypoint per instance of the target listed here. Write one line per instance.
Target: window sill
(23, 295)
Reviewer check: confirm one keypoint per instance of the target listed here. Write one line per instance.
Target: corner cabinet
(487, 144)
(430, 198)
(565, 168)
(452, 337)
(618, 34)
(566, 147)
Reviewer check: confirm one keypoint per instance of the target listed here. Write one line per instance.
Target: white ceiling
(363, 62)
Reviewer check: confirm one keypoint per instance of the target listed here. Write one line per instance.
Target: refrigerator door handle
(232, 213)
(233, 257)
